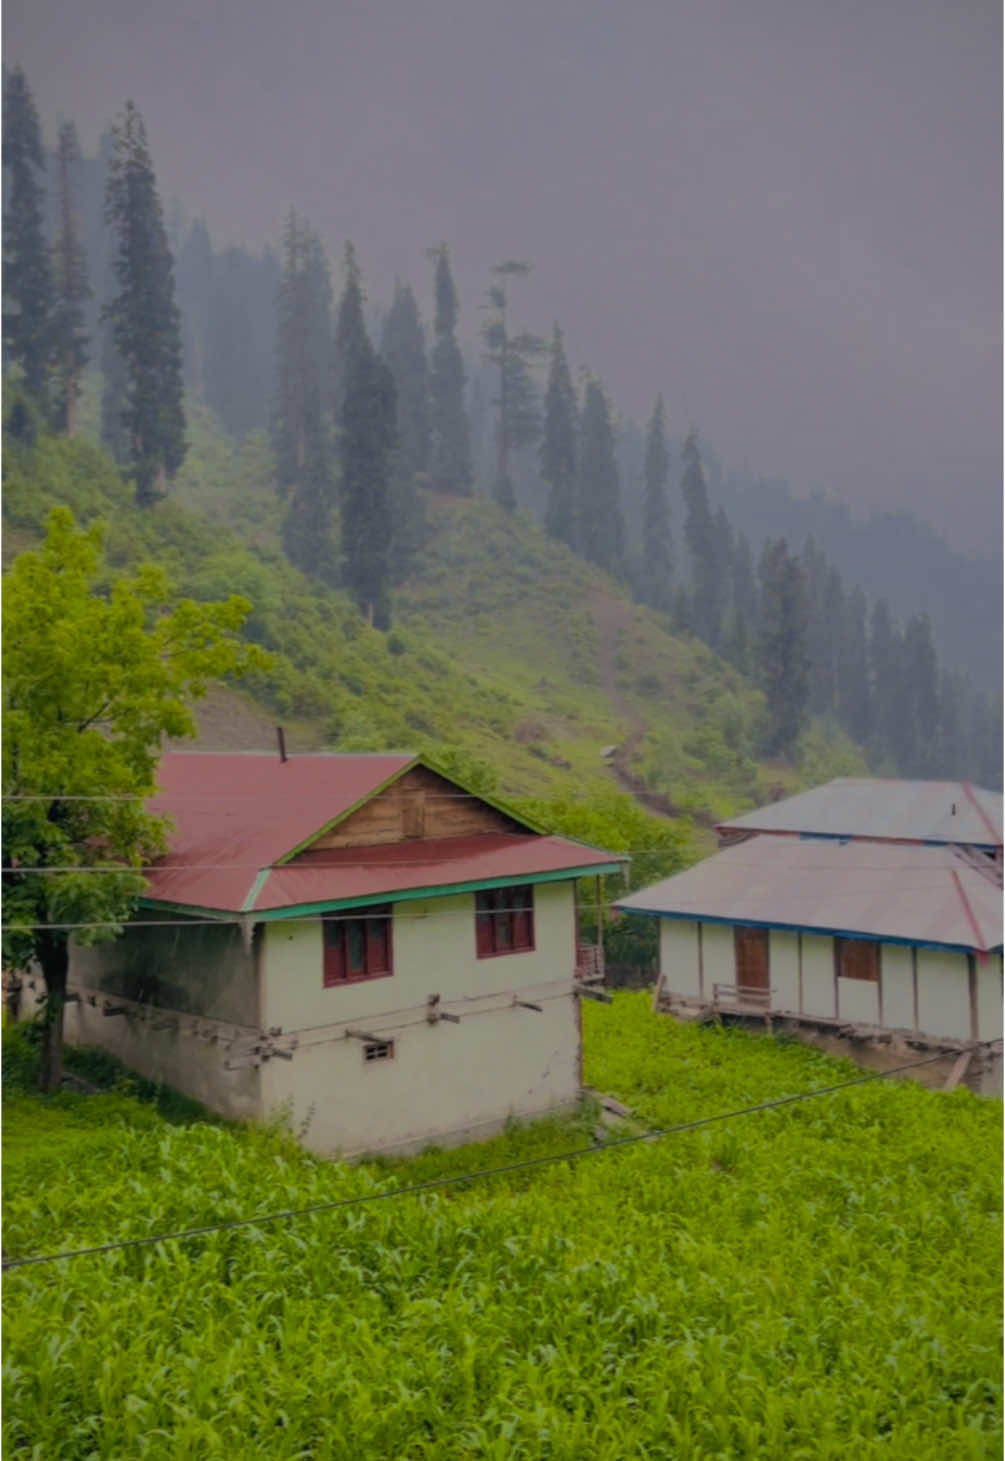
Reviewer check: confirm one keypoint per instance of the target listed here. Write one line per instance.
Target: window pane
(355, 960)
(376, 946)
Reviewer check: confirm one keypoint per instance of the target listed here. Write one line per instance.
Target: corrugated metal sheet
(443, 862)
(915, 811)
(908, 893)
(237, 815)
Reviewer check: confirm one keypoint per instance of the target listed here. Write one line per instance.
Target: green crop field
(819, 1281)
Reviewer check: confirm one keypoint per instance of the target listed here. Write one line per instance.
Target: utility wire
(288, 1214)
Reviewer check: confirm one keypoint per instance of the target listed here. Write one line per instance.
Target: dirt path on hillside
(611, 616)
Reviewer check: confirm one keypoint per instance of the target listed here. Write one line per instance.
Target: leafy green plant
(820, 1280)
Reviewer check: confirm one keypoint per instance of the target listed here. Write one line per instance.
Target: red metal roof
(364, 872)
(235, 816)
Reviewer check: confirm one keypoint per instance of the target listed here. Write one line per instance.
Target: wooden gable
(420, 804)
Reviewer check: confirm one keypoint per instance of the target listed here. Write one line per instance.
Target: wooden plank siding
(418, 805)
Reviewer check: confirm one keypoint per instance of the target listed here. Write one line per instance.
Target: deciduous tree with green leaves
(96, 674)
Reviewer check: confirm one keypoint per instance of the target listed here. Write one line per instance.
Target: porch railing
(741, 996)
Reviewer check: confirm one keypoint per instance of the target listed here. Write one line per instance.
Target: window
(504, 921)
(357, 947)
(751, 949)
(857, 958)
(378, 1050)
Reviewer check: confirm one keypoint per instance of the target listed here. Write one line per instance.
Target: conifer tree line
(46, 290)
(369, 413)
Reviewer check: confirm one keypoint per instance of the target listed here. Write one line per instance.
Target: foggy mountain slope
(493, 659)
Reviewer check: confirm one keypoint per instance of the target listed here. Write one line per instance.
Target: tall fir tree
(884, 683)
(700, 536)
(27, 277)
(144, 318)
(920, 693)
(558, 447)
(656, 561)
(196, 288)
(854, 698)
(71, 289)
(602, 532)
(518, 417)
(301, 431)
(741, 633)
(781, 647)
(403, 350)
(366, 442)
(450, 446)
(350, 330)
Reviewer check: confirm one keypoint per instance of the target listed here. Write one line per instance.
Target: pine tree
(144, 319)
(741, 635)
(71, 289)
(518, 418)
(656, 516)
(450, 451)
(301, 430)
(403, 350)
(602, 533)
(350, 330)
(366, 442)
(27, 280)
(781, 649)
(558, 447)
(196, 281)
(920, 680)
(884, 682)
(700, 536)
(854, 699)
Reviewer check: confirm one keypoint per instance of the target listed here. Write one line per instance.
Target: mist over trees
(364, 438)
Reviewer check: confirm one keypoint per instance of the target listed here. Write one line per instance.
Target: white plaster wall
(679, 958)
(433, 943)
(898, 987)
(818, 975)
(446, 1079)
(444, 1083)
(858, 1001)
(718, 955)
(783, 970)
(943, 994)
(989, 998)
(177, 1057)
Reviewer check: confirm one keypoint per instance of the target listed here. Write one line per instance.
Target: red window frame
(356, 947)
(504, 921)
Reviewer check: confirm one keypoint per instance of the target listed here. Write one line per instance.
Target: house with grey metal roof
(949, 812)
(880, 915)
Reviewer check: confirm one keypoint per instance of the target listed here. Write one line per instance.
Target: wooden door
(751, 947)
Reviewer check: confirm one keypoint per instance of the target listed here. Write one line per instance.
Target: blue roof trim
(875, 938)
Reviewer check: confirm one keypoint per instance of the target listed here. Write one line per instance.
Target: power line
(288, 1214)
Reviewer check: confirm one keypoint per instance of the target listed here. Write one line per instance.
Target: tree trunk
(54, 958)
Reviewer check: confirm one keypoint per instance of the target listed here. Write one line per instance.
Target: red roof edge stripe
(980, 946)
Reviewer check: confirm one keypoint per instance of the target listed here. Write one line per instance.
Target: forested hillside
(341, 436)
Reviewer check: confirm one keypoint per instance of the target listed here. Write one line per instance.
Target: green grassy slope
(507, 650)
(820, 1281)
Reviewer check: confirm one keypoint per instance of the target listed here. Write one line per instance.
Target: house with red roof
(355, 941)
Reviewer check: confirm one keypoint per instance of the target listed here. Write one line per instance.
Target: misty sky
(783, 214)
